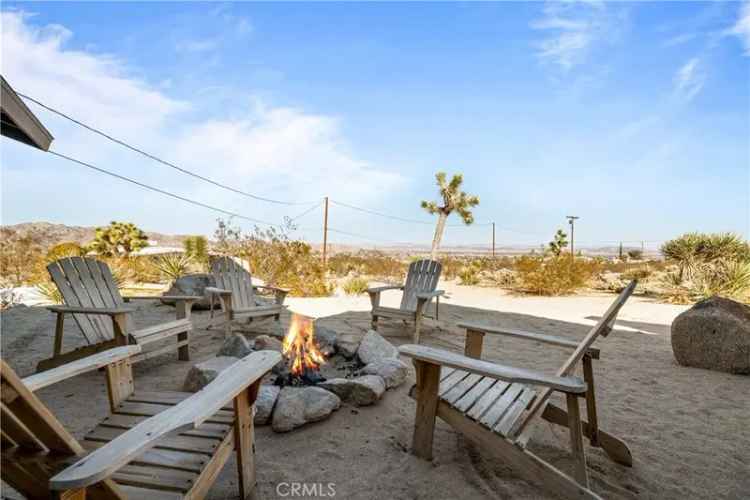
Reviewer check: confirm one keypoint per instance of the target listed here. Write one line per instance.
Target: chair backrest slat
(602, 327)
(423, 276)
(81, 283)
(231, 276)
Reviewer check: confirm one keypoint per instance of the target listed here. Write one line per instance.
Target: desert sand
(687, 428)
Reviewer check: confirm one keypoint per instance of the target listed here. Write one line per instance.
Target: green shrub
(554, 275)
(119, 239)
(355, 286)
(196, 247)
(635, 254)
(693, 249)
(65, 249)
(172, 265)
(469, 275)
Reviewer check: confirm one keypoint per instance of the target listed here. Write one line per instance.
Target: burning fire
(300, 348)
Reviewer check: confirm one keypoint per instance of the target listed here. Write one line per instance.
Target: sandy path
(687, 428)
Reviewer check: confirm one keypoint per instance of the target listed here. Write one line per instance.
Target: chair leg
(588, 376)
(244, 443)
(417, 327)
(183, 311)
(374, 322)
(576, 440)
(428, 381)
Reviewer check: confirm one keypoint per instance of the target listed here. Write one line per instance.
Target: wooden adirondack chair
(236, 293)
(154, 445)
(419, 290)
(496, 405)
(90, 294)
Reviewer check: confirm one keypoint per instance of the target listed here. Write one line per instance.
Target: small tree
(557, 245)
(196, 247)
(453, 199)
(119, 239)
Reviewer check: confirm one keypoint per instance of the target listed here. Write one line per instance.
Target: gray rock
(362, 391)
(202, 374)
(374, 347)
(192, 284)
(393, 371)
(276, 330)
(266, 343)
(713, 334)
(346, 348)
(267, 396)
(297, 406)
(326, 339)
(236, 346)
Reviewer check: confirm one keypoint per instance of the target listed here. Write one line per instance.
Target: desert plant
(692, 249)
(196, 247)
(21, 257)
(635, 254)
(453, 199)
(119, 239)
(373, 263)
(49, 291)
(469, 274)
(65, 249)
(728, 278)
(355, 286)
(554, 275)
(172, 265)
(559, 243)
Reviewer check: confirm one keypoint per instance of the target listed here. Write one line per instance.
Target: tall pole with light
(571, 221)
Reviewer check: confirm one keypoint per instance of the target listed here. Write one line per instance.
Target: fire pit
(302, 354)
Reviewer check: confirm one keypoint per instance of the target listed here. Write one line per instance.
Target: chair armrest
(538, 337)
(274, 288)
(159, 297)
(188, 414)
(430, 295)
(79, 366)
(107, 311)
(440, 357)
(379, 289)
(217, 291)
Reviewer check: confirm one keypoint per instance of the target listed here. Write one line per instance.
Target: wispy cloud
(741, 29)
(197, 45)
(689, 80)
(679, 39)
(574, 28)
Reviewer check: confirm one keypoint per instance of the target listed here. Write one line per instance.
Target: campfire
(302, 353)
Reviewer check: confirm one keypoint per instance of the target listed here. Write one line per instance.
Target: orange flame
(300, 348)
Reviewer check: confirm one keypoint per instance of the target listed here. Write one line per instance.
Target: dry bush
(378, 265)
(726, 278)
(21, 258)
(553, 275)
(469, 274)
(355, 286)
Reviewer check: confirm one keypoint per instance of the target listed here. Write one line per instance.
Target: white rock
(362, 391)
(236, 346)
(297, 406)
(202, 374)
(393, 371)
(374, 347)
(267, 396)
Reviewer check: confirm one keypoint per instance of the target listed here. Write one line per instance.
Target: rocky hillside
(50, 234)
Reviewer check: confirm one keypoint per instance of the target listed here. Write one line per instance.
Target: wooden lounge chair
(154, 445)
(236, 293)
(90, 294)
(419, 290)
(496, 406)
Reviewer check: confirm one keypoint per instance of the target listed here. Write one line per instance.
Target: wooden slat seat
(418, 291)
(494, 404)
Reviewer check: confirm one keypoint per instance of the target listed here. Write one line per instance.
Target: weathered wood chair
(496, 406)
(237, 295)
(90, 294)
(154, 445)
(419, 290)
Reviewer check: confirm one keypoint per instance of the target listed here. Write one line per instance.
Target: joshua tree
(196, 247)
(118, 239)
(560, 242)
(453, 199)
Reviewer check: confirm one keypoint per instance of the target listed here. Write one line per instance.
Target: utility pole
(325, 234)
(571, 221)
(493, 240)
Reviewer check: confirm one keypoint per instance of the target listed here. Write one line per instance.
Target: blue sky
(634, 116)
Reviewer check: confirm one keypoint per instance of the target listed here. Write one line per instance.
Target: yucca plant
(173, 265)
(355, 286)
(728, 278)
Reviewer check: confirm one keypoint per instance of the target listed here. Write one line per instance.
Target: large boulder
(267, 396)
(393, 371)
(236, 346)
(202, 374)
(362, 391)
(266, 343)
(713, 334)
(195, 285)
(374, 347)
(298, 406)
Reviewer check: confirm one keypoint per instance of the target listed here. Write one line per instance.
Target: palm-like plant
(453, 200)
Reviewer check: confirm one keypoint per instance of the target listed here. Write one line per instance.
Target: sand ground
(687, 428)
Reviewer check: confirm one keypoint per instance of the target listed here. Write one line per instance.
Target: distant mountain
(51, 234)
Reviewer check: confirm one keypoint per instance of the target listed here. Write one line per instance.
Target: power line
(291, 219)
(157, 159)
(402, 219)
(161, 191)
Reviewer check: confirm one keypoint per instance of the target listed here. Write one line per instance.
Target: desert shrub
(635, 254)
(8, 298)
(65, 249)
(355, 286)
(559, 243)
(172, 265)
(553, 275)
(118, 239)
(49, 291)
(639, 274)
(693, 249)
(196, 247)
(469, 274)
(727, 278)
(21, 257)
(280, 261)
(367, 263)
(502, 278)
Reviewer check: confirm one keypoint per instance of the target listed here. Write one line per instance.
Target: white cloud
(273, 151)
(741, 29)
(574, 28)
(679, 39)
(197, 45)
(689, 80)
